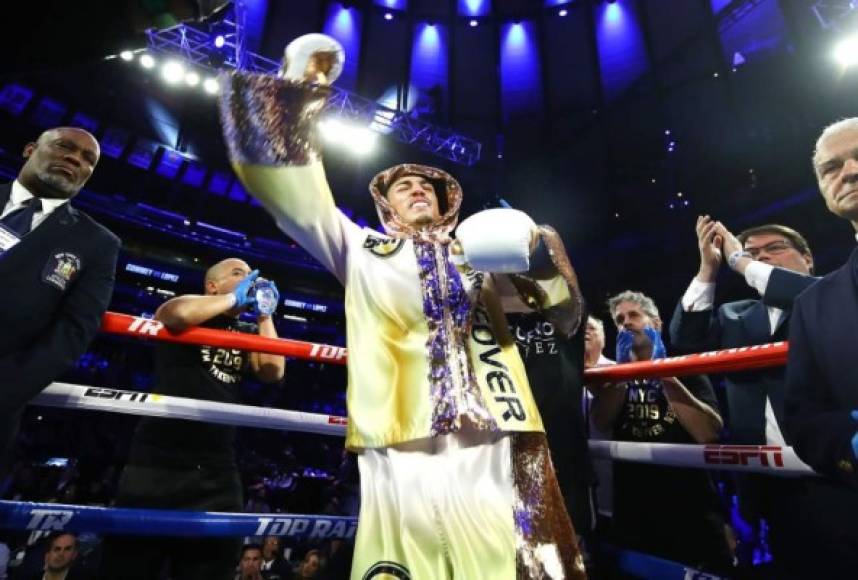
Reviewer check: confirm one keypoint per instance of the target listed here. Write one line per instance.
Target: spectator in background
(310, 565)
(250, 564)
(61, 551)
(594, 344)
(671, 513)
(257, 503)
(273, 562)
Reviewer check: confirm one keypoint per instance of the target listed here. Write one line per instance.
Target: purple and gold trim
(270, 121)
(545, 539)
(448, 308)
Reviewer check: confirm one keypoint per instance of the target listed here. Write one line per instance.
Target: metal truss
(833, 13)
(734, 12)
(197, 46)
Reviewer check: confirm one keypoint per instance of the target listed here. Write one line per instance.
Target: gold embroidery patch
(383, 247)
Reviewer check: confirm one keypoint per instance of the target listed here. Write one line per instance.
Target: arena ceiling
(616, 121)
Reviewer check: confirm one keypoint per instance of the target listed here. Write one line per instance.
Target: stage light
(192, 78)
(388, 16)
(147, 61)
(359, 140)
(126, 55)
(563, 12)
(211, 86)
(473, 23)
(173, 71)
(846, 51)
(219, 41)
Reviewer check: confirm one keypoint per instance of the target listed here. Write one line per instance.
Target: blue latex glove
(624, 346)
(658, 349)
(244, 298)
(625, 338)
(855, 438)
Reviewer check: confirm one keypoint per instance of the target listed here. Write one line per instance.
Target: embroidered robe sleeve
(269, 126)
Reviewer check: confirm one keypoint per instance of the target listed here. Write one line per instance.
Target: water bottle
(266, 297)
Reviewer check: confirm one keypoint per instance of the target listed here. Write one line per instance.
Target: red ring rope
(719, 361)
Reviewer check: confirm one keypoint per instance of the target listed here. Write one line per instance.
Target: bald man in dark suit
(57, 269)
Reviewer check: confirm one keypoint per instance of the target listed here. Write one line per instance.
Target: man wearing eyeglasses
(776, 262)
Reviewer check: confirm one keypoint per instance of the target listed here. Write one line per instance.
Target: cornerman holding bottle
(180, 464)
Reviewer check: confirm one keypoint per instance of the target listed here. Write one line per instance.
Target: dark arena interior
(619, 123)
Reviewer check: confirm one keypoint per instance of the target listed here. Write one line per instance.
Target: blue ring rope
(52, 517)
(16, 515)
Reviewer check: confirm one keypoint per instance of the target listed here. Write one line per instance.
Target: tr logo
(49, 519)
(145, 326)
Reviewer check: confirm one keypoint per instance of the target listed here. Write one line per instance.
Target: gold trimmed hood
(447, 189)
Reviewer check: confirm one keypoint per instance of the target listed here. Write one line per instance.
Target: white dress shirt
(20, 194)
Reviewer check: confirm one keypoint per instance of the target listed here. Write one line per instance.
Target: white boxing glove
(298, 52)
(497, 240)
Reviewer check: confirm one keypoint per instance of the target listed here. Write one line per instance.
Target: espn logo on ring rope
(764, 455)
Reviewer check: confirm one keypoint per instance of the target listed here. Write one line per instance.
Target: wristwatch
(735, 256)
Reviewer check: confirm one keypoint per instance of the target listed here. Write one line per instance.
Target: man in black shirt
(551, 343)
(191, 465)
(669, 512)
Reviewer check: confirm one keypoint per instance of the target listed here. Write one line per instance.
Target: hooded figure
(456, 479)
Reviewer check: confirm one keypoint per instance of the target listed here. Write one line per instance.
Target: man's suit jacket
(821, 391)
(744, 323)
(55, 285)
(822, 375)
(74, 573)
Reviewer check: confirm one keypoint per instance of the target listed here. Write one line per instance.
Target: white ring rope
(68, 396)
(770, 459)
